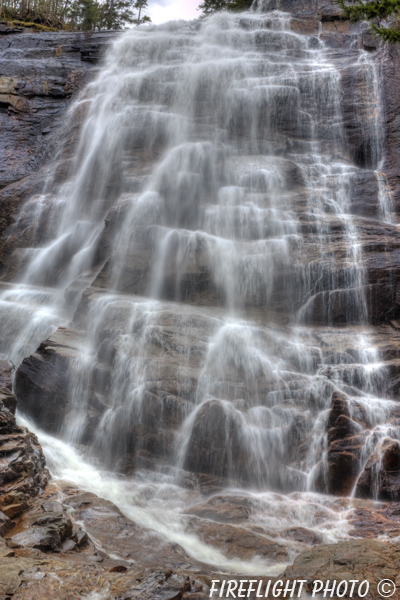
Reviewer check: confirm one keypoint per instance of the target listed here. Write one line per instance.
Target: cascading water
(205, 250)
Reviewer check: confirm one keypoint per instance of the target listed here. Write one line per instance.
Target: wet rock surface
(40, 73)
(47, 398)
(369, 560)
(380, 477)
(23, 473)
(345, 442)
(25, 578)
(110, 555)
(53, 557)
(65, 541)
(215, 448)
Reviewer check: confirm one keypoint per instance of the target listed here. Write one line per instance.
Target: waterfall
(206, 250)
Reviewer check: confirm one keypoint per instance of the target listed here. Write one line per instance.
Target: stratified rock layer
(23, 473)
(40, 73)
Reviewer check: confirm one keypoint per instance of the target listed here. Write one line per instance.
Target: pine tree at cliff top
(209, 7)
(380, 9)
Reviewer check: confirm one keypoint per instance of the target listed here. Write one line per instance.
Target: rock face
(215, 446)
(391, 82)
(345, 442)
(39, 76)
(22, 471)
(381, 475)
(115, 558)
(47, 398)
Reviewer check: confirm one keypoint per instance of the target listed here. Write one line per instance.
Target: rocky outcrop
(23, 474)
(345, 441)
(106, 553)
(380, 477)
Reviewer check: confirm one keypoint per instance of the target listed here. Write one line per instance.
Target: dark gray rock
(345, 443)
(390, 61)
(45, 397)
(39, 73)
(381, 475)
(23, 472)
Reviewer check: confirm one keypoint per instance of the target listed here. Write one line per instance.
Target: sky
(168, 10)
